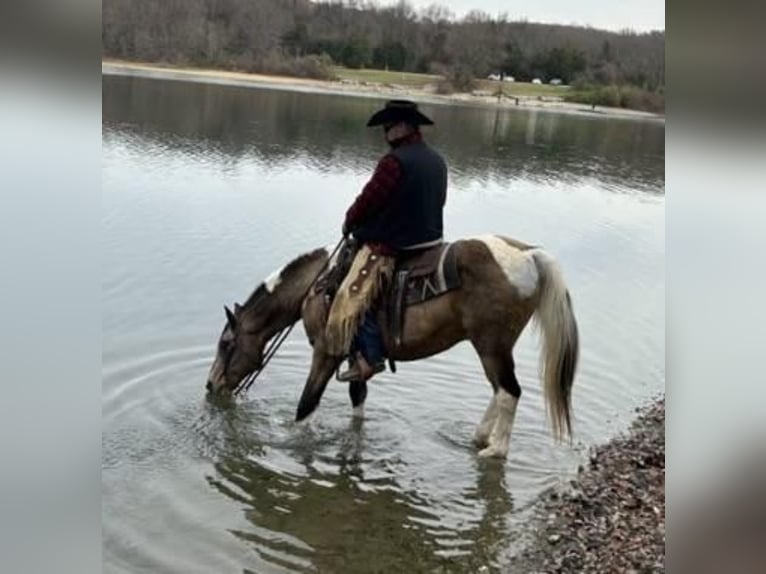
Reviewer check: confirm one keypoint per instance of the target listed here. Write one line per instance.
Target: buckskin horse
(502, 284)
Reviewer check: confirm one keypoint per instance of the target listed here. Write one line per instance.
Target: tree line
(300, 37)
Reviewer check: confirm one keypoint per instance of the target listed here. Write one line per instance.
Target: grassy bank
(628, 97)
(523, 89)
(426, 81)
(407, 79)
(371, 83)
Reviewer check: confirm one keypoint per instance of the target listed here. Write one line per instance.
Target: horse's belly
(429, 328)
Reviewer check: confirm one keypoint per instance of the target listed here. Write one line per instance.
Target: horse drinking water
(502, 282)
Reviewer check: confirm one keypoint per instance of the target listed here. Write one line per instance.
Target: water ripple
(200, 205)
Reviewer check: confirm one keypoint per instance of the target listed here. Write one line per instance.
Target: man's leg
(371, 340)
(368, 350)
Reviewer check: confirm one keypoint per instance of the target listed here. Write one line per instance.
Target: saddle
(419, 276)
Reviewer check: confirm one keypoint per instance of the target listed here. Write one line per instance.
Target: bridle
(276, 341)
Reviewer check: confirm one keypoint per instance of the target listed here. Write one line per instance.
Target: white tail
(560, 340)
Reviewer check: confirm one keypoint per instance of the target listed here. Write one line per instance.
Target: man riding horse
(483, 290)
(399, 210)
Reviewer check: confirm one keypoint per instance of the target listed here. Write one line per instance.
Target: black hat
(397, 111)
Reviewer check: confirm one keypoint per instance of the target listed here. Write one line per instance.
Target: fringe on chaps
(369, 275)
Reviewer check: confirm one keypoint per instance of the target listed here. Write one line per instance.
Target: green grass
(526, 89)
(383, 77)
(412, 80)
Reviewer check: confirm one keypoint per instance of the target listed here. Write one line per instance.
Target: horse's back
(490, 238)
(497, 263)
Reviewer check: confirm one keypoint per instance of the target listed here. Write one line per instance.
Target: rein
(280, 337)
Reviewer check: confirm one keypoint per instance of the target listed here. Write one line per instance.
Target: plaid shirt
(378, 191)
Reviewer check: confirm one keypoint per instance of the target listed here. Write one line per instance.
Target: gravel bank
(613, 517)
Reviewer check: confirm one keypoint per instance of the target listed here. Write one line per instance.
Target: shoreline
(112, 67)
(612, 517)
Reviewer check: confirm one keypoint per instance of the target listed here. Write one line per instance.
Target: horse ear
(237, 308)
(230, 317)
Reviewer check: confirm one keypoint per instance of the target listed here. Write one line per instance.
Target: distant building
(493, 77)
(537, 81)
(556, 82)
(509, 79)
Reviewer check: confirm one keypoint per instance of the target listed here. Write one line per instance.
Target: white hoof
(493, 451)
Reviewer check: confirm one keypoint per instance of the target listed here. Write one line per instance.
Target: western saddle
(419, 276)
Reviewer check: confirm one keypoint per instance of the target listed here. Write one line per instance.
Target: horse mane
(256, 295)
(286, 274)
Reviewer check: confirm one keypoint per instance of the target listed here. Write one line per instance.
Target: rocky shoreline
(612, 518)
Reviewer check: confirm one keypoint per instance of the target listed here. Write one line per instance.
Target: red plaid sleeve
(377, 192)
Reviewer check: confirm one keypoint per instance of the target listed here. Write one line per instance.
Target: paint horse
(503, 284)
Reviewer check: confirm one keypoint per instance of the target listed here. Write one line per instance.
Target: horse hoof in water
(480, 441)
(492, 452)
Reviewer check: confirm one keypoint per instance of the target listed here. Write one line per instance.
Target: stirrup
(352, 374)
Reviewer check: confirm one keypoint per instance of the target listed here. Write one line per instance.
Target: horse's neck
(291, 286)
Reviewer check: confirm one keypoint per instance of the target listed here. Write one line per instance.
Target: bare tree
(290, 35)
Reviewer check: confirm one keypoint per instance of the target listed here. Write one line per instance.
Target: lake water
(207, 189)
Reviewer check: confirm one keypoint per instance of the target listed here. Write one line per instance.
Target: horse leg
(481, 436)
(357, 390)
(322, 368)
(500, 370)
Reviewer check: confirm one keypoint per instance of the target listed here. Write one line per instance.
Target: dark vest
(414, 213)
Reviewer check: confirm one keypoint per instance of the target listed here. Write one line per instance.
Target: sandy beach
(360, 89)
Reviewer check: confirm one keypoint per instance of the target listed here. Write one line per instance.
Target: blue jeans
(369, 340)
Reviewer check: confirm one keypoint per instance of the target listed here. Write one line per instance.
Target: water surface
(207, 189)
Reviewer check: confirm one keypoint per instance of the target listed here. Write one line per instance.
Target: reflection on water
(207, 189)
(275, 127)
(333, 503)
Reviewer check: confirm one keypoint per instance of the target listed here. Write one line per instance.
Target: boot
(361, 370)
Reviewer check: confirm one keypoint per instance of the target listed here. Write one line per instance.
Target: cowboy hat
(396, 111)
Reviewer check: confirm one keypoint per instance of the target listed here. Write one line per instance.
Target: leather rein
(277, 340)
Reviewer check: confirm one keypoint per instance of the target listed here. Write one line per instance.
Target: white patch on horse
(273, 280)
(481, 436)
(519, 266)
(500, 438)
(358, 411)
